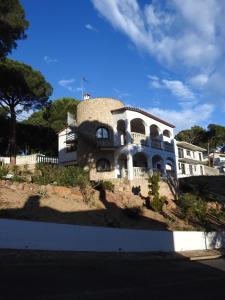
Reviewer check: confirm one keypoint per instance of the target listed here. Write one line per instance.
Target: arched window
(103, 165)
(166, 133)
(102, 133)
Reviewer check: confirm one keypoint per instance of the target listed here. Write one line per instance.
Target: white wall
(16, 234)
(64, 156)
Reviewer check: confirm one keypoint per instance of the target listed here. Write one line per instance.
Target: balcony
(156, 144)
(138, 138)
(168, 147)
(70, 137)
(140, 172)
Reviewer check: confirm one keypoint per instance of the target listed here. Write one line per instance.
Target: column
(128, 132)
(148, 139)
(150, 167)
(130, 166)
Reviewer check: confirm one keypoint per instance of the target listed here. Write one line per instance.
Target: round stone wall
(97, 109)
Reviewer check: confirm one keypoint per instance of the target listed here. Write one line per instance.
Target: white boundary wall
(15, 234)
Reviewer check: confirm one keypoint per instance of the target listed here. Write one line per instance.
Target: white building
(189, 160)
(115, 141)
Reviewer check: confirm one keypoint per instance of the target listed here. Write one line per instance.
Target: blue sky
(163, 56)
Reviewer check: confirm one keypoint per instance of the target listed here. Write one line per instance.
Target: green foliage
(54, 115)
(3, 171)
(12, 25)
(65, 176)
(23, 87)
(107, 185)
(153, 185)
(15, 170)
(158, 202)
(214, 136)
(193, 209)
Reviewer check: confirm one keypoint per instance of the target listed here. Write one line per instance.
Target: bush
(153, 185)
(157, 203)
(3, 171)
(193, 208)
(66, 176)
(107, 185)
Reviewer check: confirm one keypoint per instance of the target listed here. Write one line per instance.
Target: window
(102, 133)
(201, 170)
(180, 153)
(183, 168)
(103, 165)
(200, 156)
(188, 152)
(190, 169)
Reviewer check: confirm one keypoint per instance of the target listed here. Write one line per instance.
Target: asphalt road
(110, 277)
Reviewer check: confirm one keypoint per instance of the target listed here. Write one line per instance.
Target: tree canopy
(213, 136)
(12, 25)
(21, 89)
(54, 115)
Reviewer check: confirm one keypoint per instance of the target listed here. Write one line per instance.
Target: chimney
(86, 96)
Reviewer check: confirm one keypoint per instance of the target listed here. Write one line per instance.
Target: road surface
(110, 277)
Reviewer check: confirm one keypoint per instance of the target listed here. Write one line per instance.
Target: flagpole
(82, 89)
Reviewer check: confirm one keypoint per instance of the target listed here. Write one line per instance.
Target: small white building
(189, 160)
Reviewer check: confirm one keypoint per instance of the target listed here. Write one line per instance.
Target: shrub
(193, 208)
(66, 176)
(3, 171)
(153, 185)
(16, 170)
(107, 185)
(157, 203)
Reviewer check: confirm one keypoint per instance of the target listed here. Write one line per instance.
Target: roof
(191, 161)
(190, 146)
(143, 113)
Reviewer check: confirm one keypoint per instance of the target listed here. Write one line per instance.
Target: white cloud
(176, 87)
(189, 32)
(90, 27)
(184, 119)
(50, 60)
(67, 83)
(199, 80)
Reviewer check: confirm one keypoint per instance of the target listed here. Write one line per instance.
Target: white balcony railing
(140, 172)
(138, 138)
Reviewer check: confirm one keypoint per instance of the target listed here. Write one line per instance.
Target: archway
(122, 162)
(121, 129)
(140, 165)
(157, 163)
(137, 125)
(154, 132)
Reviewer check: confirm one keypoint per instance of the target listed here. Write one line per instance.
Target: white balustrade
(138, 138)
(140, 172)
